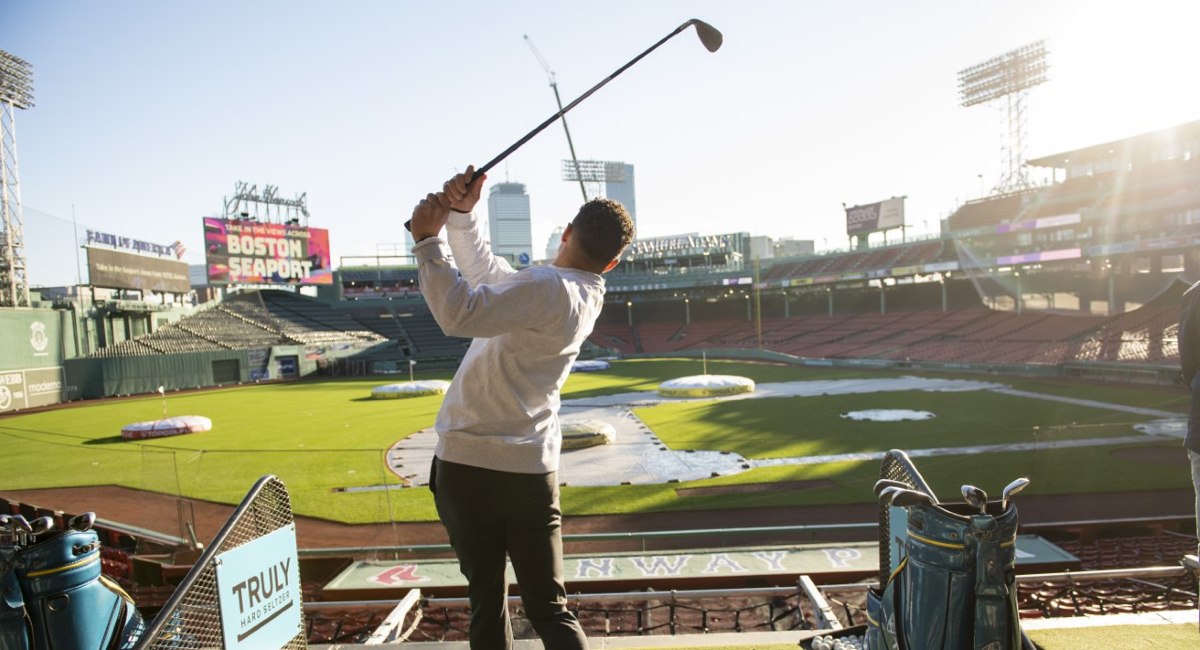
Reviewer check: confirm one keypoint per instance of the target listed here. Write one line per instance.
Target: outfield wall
(92, 378)
(31, 357)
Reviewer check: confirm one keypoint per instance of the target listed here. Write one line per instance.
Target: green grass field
(321, 435)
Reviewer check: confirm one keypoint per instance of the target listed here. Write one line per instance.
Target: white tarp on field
(638, 456)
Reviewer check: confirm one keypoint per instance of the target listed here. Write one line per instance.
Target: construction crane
(554, 87)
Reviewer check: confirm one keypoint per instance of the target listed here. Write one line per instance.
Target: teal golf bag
(947, 570)
(54, 597)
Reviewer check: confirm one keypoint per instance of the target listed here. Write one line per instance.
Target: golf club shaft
(541, 127)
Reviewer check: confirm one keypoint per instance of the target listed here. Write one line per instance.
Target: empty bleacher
(249, 320)
(990, 211)
(425, 336)
(313, 322)
(970, 334)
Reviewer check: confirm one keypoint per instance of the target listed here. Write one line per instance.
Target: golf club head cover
(68, 603)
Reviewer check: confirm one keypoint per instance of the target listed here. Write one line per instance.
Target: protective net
(896, 466)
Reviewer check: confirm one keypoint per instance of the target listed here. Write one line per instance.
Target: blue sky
(149, 112)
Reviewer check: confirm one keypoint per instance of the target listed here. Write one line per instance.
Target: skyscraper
(509, 223)
(554, 243)
(623, 191)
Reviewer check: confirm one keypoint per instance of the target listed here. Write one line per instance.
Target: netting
(895, 466)
(192, 617)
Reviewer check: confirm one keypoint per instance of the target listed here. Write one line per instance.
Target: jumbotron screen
(251, 252)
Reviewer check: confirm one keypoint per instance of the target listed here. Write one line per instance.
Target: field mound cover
(321, 436)
(706, 386)
(166, 427)
(410, 389)
(590, 365)
(580, 434)
(888, 415)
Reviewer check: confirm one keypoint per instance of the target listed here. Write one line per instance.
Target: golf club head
(82, 521)
(709, 35)
(4, 520)
(1011, 489)
(42, 525)
(898, 496)
(884, 483)
(974, 496)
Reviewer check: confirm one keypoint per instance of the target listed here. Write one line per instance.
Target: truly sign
(258, 588)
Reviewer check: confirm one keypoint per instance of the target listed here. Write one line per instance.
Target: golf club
(41, 525)
(1011, 489)
(884, 483)
(7, 536)
(82, 522)
(22, 528)
(975, 497)
(710, 37)
(902, 497)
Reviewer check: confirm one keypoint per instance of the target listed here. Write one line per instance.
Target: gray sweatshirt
(501, 410)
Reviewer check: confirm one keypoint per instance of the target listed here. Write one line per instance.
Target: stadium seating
(249, 320)
(974, 334)
(988, 212)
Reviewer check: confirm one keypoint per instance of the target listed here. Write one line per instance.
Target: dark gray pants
(489, 514)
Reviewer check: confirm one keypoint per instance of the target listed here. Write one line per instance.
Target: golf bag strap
(896, 585)
(992, 596)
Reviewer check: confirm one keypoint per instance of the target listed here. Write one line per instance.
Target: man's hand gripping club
(458, 194)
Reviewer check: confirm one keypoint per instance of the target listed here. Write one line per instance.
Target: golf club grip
(474, 177)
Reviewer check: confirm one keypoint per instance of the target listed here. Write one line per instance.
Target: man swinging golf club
(494, 474)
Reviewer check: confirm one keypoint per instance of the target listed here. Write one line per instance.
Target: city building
(621, 189)
(554, 243)
(509, 223)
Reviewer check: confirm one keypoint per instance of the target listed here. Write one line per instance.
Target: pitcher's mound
(706, 386)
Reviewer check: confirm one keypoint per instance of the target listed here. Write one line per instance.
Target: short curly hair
(604, 229)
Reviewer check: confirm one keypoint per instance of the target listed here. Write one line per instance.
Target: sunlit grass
(322, 436)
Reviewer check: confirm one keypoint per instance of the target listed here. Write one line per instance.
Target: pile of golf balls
(851, 642)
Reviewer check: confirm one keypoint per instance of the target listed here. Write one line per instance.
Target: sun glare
(1123, 73)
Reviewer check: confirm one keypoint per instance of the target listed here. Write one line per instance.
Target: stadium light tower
(599, 172)
(16, 91)
(1007, 78)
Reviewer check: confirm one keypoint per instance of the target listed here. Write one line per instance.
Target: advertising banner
(249, 252)
(1041, 256)
(22, 389)
(136, 245)
(873, 217)
(258, 589)
(117, 270)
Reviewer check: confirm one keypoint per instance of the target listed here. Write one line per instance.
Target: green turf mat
(1125, 637)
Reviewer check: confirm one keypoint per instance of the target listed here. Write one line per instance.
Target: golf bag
(54, 596)
(947, 571)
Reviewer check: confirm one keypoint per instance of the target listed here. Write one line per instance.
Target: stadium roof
(1138, 147)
